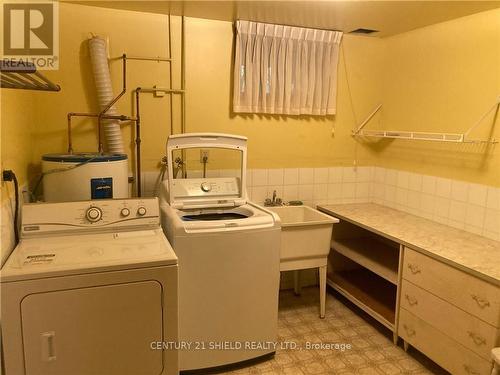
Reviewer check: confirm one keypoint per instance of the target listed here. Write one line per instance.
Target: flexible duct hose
(102, 77)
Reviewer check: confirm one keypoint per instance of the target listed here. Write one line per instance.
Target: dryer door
(94, 331)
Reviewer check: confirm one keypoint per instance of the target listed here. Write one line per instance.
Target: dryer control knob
(93, 214)
(141, 211)
(125, 212)
(205, 186)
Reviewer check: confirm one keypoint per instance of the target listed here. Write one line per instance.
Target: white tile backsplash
(364, 174)
(275, 176)
(379, 175)
(403, 180)
(320, 175)
(415, 182)
(306, 176)
(334, 175)
(259, 177)
(306, 192)
(478, 194)
(320, 192)
(459, 191)
(391, 177)
(291, 176)
(458, 210)
(443, 187)
(291, 192)
(348, 174)
(493, 198)
(428, 184)
(471, 207)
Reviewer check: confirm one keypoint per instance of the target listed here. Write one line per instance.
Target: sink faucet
(275, 201)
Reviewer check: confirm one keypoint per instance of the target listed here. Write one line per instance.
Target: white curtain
(285, 70)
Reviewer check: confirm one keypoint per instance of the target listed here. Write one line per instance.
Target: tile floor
(371, 352)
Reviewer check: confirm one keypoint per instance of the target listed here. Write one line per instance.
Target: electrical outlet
(204, 156)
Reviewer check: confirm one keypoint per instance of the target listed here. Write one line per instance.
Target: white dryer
(229, 255)
(90, 290)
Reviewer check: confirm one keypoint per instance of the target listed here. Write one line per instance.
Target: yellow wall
(17, 108)
(273, 141)
(277, 141)
(442, 78)
(138, 34)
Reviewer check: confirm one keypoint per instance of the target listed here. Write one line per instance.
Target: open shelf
(368, 291)
(427, 136)
(379, 257)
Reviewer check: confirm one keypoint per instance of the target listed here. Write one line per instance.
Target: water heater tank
(84, 176)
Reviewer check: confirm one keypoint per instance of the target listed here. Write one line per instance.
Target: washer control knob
(205, 186)
(125, 212)
(93, 214)
(141, 211)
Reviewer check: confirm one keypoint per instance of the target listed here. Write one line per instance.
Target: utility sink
(306, 234)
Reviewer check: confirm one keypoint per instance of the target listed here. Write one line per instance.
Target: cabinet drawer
(468, 330)
(446, 352)
(471, 294)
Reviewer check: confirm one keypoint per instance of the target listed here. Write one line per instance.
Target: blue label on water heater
(101, 188)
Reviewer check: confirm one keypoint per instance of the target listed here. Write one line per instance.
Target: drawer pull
(409, 331)
(481, 302)
(413, 268)
(470, 370)
(411, 301)
(478, 340)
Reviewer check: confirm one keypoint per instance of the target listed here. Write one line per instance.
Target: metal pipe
(144, 58)
(183, 74)
(96, 115)
(162, 89)
(138, 141)
(171, 74)
(166, 59)
(183, 87)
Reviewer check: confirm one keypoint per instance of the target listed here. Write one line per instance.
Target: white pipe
(102, 77)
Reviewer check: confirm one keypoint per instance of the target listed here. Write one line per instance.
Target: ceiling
(389, 17)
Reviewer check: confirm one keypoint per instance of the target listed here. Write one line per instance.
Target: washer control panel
(206, 187)
(47, 217)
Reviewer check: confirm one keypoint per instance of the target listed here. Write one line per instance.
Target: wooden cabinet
(466, 329)
(365, 268)
(444, 309)
(465, 291)
(445, 351)
(456, 310)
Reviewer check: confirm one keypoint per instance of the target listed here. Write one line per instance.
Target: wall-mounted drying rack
(23, 75)
(426, 136)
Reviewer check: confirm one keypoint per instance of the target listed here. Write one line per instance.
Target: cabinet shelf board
(368, 291)
(378, 257)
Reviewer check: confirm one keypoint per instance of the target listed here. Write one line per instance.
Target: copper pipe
(138, 141)
(84, 114)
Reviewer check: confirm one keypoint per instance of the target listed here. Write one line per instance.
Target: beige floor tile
(371, 349)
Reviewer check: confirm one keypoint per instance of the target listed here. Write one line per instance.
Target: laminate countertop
(469, 252)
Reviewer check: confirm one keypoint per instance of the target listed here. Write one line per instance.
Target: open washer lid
(208, 191)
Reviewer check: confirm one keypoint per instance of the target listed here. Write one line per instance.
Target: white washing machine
(229, 255)
(90, 290)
